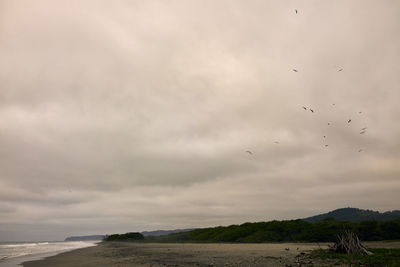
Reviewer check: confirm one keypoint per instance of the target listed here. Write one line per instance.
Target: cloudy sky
(120, 116)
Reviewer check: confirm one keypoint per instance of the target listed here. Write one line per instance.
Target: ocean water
(13, 254)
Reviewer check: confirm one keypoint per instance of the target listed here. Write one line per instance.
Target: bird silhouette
(363, 128)
(360, 150)
(363, 132)
(304, 108)
(276, 142)
(324, 136)
(248, 151)
(295, 70)
(340, 70)
(359, 112)
(329, 123)
(326, 145)
(295, 10)
(349, 121)
(312, 110)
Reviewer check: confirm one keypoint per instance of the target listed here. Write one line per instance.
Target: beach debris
(348, 242)
(365, 128)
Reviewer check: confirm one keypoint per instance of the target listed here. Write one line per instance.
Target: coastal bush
(125, 237)
(380, 257)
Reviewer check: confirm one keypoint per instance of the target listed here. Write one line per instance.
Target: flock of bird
(362, 131)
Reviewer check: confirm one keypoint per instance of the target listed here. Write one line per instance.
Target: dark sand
(189, 254)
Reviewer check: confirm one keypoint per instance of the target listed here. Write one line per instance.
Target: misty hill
(355, 215)
(85, 238)
(164, 232)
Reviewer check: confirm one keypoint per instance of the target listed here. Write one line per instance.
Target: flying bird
(360, 150)
(324, 136)
(340, 70)
(276, 142)
(349, 121)
(333, 104)
(248, 151)
(326, 145)
(312, 110)
(295, 70)
(365, 128)
(295, 10)
(329, 123)
(304, 108)
(363, 132)
(359, 112)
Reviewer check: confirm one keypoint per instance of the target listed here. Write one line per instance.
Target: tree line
(287, 231)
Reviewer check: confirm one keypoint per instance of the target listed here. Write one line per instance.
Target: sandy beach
(188, 254)
(183, 254)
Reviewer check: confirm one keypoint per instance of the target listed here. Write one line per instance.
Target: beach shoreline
(188, 254)
(177, 254)
(13, 254)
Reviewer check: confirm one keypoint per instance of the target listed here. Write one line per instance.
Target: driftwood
(348, 242)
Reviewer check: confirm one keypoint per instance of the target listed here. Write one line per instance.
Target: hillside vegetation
(287, 231)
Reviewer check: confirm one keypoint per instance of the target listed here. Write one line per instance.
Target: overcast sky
(120, 116)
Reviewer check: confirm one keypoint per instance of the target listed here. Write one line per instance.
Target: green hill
(355, 215)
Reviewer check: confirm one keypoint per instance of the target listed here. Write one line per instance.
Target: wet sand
(189, 254)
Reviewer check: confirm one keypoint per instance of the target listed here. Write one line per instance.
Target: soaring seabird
(248, 151)
(295, 70)
(349, 121)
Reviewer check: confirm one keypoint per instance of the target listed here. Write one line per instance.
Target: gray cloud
(133, 116)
